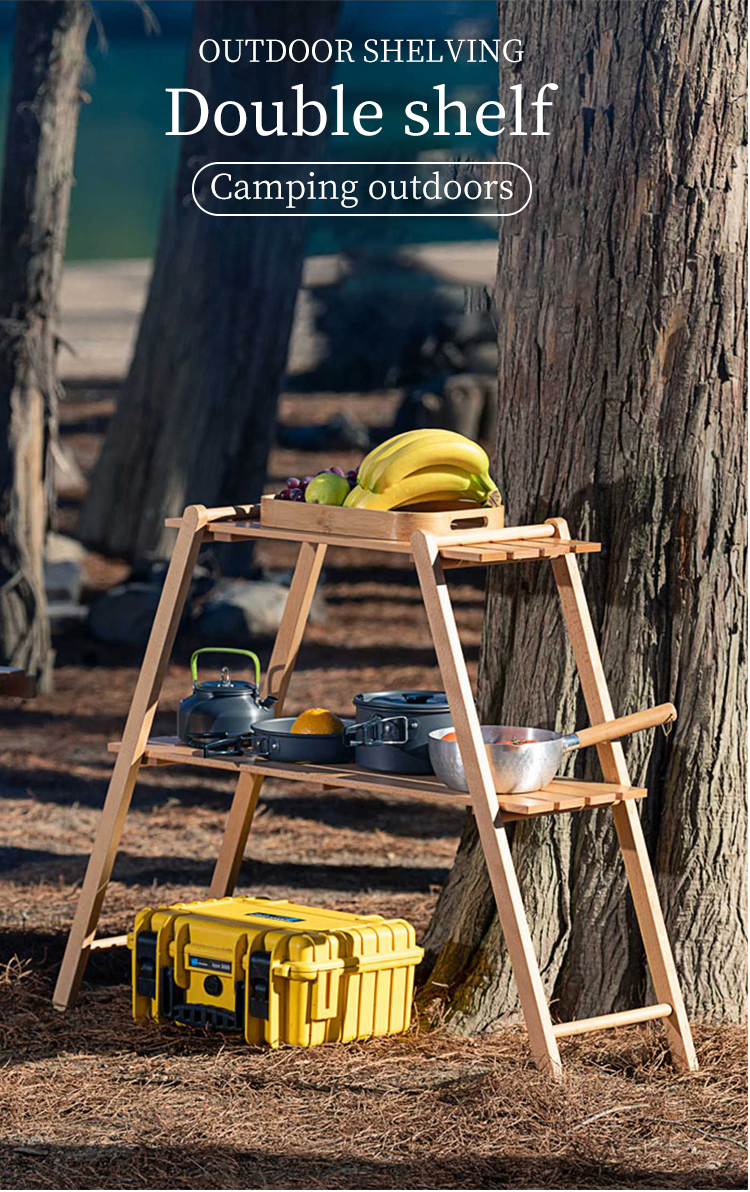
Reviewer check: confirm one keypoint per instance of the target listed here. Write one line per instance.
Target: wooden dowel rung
(488, 537)
(110, 941)
(604, 1021)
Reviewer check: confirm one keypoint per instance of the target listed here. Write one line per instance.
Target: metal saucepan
(534, 761)
(393, 729)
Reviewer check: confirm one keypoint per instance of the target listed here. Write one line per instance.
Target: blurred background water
(124, 161)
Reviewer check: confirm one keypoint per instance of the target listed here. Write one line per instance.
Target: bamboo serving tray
(390, 525)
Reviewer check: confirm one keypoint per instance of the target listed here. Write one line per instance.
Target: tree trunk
(49, 52)
(196, 416)
(621, 310)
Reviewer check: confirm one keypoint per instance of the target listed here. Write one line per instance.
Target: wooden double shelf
(433, 541)
(563, 794)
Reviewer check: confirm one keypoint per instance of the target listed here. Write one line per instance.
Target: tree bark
(622, 307)
(196, 416)
(49, 52)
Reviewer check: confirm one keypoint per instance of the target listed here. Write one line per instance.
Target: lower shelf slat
(562, 794)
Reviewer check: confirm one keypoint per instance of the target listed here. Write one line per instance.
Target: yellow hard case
(275, 971)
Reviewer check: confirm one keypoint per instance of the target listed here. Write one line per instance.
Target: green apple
(327, 489)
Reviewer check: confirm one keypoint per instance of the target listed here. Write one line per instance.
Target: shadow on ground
(106, 1166)
(134, 870)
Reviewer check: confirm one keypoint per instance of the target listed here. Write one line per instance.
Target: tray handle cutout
(471, 520)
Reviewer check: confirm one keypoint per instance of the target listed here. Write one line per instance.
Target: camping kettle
(222, 707)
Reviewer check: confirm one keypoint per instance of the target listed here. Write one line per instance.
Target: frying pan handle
(612, 730)
(258, 744)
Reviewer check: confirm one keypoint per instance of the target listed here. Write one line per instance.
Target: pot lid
(230, 687)
(404, 701)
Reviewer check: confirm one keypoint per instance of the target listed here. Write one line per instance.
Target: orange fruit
(317, 720)
(451, 736)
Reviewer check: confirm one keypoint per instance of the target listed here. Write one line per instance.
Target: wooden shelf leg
(280, 668)
(236, 832)
(485, 804)
(654, 934)
(128, 762)
(627, 821)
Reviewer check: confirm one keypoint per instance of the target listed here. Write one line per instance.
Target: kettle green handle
(225, 650)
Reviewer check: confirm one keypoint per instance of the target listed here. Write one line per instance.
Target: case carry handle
(325, 995)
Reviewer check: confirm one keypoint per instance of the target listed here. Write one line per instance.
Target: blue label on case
(268, 915)
(215, 966)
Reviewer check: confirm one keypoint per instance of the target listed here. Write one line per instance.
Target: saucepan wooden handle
(612, 730)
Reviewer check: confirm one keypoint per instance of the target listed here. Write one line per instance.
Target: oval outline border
(360, 215)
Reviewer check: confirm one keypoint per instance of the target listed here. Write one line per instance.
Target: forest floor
(92, 1100)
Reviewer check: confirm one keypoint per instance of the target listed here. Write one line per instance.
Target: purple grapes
(295, 487)
(294, 490)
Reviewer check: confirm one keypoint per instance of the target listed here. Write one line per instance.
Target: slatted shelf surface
(468, 551)
(563, 794)
(517, 550)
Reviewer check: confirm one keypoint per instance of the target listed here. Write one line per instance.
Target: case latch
(259, 981)
(145, 963)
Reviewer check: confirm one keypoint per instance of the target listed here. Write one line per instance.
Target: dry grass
(91, 1100)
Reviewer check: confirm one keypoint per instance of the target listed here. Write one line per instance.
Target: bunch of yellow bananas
(422, 466)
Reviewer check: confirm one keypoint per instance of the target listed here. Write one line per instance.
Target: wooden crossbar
(109, 941)
(604, 1022)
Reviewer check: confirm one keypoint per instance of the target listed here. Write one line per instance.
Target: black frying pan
(274, 739)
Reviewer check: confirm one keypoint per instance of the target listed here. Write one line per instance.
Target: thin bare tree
(49, 54)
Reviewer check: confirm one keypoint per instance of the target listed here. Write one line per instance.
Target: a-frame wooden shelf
(432, 556)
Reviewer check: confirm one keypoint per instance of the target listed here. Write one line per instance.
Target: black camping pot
(274, 739)
(222, 707)
(393, 729)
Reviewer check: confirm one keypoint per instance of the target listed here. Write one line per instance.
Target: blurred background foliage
(124, 161)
